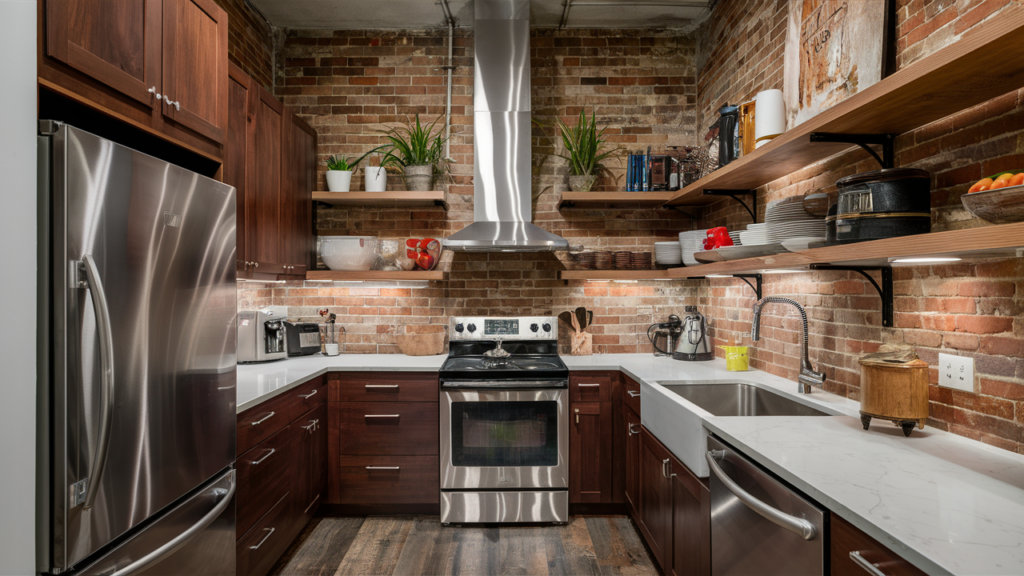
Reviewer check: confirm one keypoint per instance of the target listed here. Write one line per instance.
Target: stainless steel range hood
(501, 136)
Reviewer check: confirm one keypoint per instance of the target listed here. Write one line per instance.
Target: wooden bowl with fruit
(998, 199)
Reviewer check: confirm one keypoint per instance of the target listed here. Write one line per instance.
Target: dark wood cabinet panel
(263, 236)
(257, 551)
(262, 421)
(263, 476)
(372, 479)
(311, 467)
(392, 428)
(389, 387)
(591, 386)
(237, 149)
(298, 179)
(631, 393)
(847, 540)
(656, 498)
(195, 65)
(590, 452)
(114, 41)
(691, 523)
(631, 460)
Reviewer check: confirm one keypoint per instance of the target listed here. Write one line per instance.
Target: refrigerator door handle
(99, 303)
(183, 538)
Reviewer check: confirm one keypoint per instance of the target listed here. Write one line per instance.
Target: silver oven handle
(867, 566)
(505, 384)
(183, 538)
(99, 304)
(799, 526)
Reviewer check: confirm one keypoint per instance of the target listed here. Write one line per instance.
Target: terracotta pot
(582, 183)
(419, 178)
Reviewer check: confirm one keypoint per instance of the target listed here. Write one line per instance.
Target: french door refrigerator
(137, 398)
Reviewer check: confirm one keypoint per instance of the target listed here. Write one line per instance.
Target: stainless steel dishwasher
(759, 526)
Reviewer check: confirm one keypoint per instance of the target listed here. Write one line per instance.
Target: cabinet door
(851, 549)
(691, 523)
(298, 175)
(195, 65)
(114, 41)
(312, 467)
(264, 228)
(632, 461)
(590, 452)
(236, 150)
(656, 498)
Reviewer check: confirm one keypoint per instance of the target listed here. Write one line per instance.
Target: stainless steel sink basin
(742, 400)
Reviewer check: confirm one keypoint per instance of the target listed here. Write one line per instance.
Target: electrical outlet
(956, 372)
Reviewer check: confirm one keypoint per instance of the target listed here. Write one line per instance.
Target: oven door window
(505, 433)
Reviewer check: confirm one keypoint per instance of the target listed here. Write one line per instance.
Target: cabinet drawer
(631, 394)
(411, 387)
(393, 428)
(389, 480)
(258, 551)
(590, 386)
(264, 475)
(261, 422)
(847, 541)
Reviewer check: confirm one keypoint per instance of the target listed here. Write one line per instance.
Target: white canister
(770, 116)
(376, 179)
(331, 349)
(339, 180)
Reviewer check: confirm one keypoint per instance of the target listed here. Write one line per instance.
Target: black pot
(881, 204)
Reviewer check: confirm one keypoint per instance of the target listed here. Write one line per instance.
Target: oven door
(504, 439)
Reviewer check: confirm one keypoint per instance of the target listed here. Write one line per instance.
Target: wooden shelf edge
(371, 275)
(396, 199)
(637, 199)
(611, 275)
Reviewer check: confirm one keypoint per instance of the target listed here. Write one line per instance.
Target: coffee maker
(665, 335)
(693, 345)
(261, 335)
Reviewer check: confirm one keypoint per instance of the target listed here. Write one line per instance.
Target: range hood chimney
(501, 136)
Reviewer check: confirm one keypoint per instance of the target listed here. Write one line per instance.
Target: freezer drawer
(195, 537)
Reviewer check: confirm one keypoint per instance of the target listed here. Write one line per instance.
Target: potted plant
(586, 150)
(340, 170)
(376, 176)
(415, 150)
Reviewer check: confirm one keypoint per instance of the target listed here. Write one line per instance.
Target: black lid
(884, 175)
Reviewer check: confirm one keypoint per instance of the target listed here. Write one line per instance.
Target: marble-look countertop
(945, 503)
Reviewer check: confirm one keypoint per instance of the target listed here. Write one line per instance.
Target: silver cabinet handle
(311, 426)
(383, 467)
(394, 386)
(268, 455)
(181, 539)
(255, 264)
(308, 396)
(156, 94)
(264, 419)
(381, 416)
(631, 431)
(588, 385)
(867, 566)
(99, 304)
(664, 467)
(269, 531)
(177, 105)
(632, 394)
(799, 526)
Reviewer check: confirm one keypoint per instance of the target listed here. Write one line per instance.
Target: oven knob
(547, 327)
(472, 327)
(534, 327)
(459, 328)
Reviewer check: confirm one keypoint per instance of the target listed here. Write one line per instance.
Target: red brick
(984, 324)
(1001, 346)
(1002, 389)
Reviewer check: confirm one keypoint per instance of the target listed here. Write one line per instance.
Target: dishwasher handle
(798, 526)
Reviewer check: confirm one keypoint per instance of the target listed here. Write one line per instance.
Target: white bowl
(349, 252)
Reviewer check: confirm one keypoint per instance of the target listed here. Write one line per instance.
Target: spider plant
(413, 145)
(585, 148)
(343, 164)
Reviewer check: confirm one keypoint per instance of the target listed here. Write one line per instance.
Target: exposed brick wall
(250, 42)
(970, 309)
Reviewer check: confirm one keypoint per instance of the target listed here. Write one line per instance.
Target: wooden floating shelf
(604, 199)
(611, 275)
(374, 275)
(984, 64)
(401, 199)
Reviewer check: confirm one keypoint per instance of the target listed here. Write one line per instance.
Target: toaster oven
(303, 338)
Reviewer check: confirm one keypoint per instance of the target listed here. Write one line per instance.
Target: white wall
(18, 289)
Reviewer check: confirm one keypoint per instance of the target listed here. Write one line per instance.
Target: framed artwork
(834, 49)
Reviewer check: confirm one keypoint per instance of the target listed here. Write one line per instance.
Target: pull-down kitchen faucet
(808, 377)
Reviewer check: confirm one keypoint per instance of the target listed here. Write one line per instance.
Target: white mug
(331, 349)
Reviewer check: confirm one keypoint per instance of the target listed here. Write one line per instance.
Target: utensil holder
(582, 344)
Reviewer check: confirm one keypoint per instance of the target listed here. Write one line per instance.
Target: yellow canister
(736, 358)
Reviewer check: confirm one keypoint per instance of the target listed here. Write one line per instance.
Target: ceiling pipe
(449, 65)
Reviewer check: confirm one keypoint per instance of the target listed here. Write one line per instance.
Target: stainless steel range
(504, 422)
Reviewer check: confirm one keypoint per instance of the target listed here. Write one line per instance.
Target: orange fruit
(999, 184)
(981, 185)
(1017, 180)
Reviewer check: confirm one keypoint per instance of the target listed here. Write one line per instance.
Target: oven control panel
(503, 328)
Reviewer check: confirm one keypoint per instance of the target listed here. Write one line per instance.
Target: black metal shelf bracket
(733, 194)
(686, 213)
(756, 277)
(885, 291)
(886, 141)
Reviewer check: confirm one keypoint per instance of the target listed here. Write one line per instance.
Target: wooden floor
(419, 545)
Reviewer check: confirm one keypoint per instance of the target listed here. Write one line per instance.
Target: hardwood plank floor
(420, 546)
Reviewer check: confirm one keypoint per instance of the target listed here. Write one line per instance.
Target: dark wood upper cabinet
(195, 65)
(263, 237)
(237, 146)
(114, 41)
(590, 452)
(299, 177)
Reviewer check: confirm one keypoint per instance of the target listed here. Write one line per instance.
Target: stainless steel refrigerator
(137, 400)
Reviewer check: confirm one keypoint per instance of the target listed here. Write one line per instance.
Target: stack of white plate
(668, 253)
(754, 235)
(692, 242)
(735, 235)
(785, 219)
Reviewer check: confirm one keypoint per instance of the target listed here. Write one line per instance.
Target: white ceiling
(404, 14)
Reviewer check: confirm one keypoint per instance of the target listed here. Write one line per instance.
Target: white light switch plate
(956, 372)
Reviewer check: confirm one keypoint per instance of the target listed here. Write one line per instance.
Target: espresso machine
(693, 344)
(665, 335)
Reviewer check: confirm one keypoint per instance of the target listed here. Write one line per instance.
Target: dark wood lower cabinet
(258, 550)
(655, 520)
(847, 542)
(631, 460)
(691, 523)
(590, 452)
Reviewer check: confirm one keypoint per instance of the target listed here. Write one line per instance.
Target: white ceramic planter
(376, 179)
(339, 180)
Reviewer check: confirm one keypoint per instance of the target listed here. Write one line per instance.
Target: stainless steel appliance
(693, 344)
(882, 204)
(758, 524)
(261, 336)
(504, 422)
(303, 338)
(502, 174)
(665, 335)
(137, 391)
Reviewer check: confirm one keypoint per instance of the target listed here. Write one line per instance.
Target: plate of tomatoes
(998, 198)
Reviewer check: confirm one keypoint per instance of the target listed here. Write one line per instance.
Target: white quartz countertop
(947, 504)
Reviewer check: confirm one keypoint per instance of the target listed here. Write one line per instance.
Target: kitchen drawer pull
(310, 427)
(632, 394)
(381, 415)
(269, 532)
(264, 419)
(863, 563)
(395, 386)
(664, 467)
(268, 455)
(799, 526)
(589, 385)
(383, 467)
(308, 396)
(631, 431)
